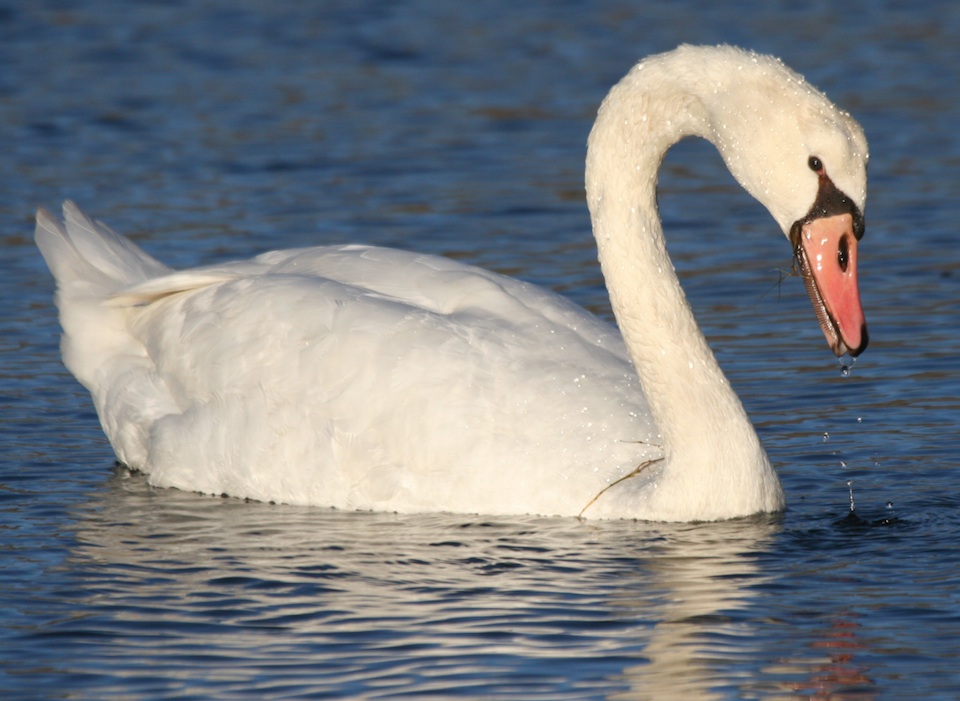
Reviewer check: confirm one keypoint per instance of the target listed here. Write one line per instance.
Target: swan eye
(816, 165)
(843, 255)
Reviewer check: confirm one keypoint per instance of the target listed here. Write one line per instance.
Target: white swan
(368, 378)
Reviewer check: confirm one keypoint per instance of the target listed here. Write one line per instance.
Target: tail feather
(89, 259)
(91, 264)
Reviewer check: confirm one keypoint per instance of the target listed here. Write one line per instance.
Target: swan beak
(827, 256)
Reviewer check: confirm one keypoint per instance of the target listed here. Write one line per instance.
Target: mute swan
(369, 378)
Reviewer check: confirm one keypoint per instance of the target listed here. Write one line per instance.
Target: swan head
(806, 161)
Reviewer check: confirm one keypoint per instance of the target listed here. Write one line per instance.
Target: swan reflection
(222, 594)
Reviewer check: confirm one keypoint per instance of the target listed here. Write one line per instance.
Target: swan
(366, 378)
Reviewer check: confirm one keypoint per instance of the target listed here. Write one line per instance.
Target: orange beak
(827, 256)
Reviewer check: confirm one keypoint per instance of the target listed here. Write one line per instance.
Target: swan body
(370, 378)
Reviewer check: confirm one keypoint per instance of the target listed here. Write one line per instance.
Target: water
(216, 130)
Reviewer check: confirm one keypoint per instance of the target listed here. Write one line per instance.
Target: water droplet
(846, 364)
(843, 464)
(859, 420)
(850, 487)
(826, 436)
(889, 504)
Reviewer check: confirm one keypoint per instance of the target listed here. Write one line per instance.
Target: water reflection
(360, 603)
(704, 580)
(831, 668)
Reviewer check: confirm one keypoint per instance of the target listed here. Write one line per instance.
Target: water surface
(211, 130)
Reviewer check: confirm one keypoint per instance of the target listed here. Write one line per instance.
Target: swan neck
(689, 396)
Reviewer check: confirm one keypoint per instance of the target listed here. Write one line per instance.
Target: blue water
(212, 130)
